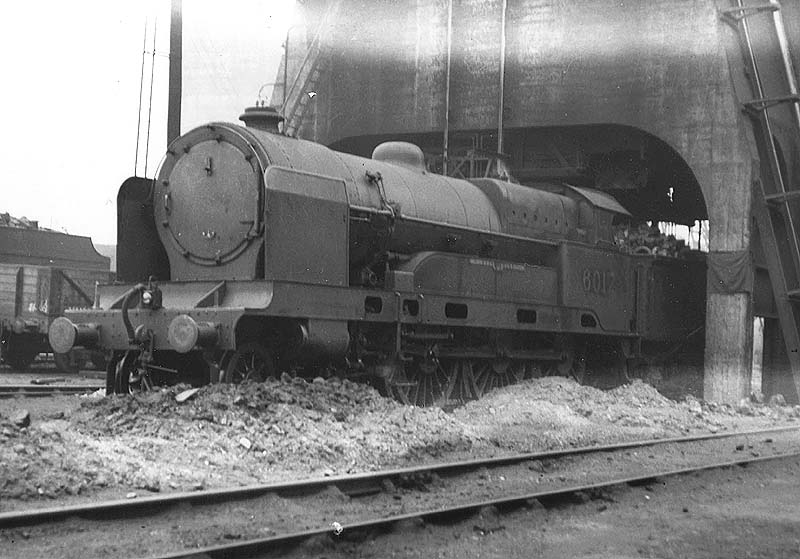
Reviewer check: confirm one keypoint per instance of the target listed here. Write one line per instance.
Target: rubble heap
(223, 435)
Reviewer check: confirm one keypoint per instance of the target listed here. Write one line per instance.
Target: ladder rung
(782, 196)
(761, 104)
(793, 295)
(737, 14)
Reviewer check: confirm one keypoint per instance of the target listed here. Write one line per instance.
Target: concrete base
(777, 372)
(729, 348)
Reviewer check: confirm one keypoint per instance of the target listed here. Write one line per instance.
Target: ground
(93, 447)
(748, 512)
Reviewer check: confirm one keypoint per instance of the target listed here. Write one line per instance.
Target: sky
(69, 103)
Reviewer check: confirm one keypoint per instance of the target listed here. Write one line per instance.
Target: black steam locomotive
(253, 252)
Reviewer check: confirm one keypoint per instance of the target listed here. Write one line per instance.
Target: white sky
(70, 94)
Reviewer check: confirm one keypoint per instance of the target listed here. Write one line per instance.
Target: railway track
(35, 390)
(48, 369)
(355, 503)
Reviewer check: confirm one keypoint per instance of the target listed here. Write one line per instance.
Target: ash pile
(182, 439)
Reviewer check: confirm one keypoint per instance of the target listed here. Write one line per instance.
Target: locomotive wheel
(573, 364)
(460, 386)
(418, 383)
(608, 365)
(250, 362)
(571, 367)
(429, 381)
(454, 382)
(398, 386)
(129, 377)
(123, 368)
(111, 372)
(496, 374)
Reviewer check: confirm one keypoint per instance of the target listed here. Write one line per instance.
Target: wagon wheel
(20, 359)
(68, 362)
(130, 376)
(100, 359)
(496, 374)
(251, 362)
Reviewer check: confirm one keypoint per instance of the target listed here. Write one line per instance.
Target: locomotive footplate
(204, 315)
(171, 316)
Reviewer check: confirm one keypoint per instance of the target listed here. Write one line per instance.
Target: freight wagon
(42, 273)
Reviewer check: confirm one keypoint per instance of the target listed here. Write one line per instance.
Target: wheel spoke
(250, 362)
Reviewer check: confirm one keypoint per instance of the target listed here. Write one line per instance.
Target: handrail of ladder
(314, 44)
(778, 261)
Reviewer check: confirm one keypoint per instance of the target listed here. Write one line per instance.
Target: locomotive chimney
(262, 118)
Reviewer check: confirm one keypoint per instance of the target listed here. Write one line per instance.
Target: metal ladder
(303, 88)
(775, 202)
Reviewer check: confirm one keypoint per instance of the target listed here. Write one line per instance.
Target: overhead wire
(141, 90)
(150, 108)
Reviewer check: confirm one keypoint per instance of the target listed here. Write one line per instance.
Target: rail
(372, 507)
(32, 390)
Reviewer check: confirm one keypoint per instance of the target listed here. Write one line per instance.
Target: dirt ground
(751, 512)
(94, 447)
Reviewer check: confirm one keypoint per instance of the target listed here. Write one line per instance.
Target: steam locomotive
(253, 253)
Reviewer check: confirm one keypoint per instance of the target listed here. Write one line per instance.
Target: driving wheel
(251, 362)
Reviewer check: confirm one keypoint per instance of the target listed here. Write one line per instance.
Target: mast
(175, 72)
